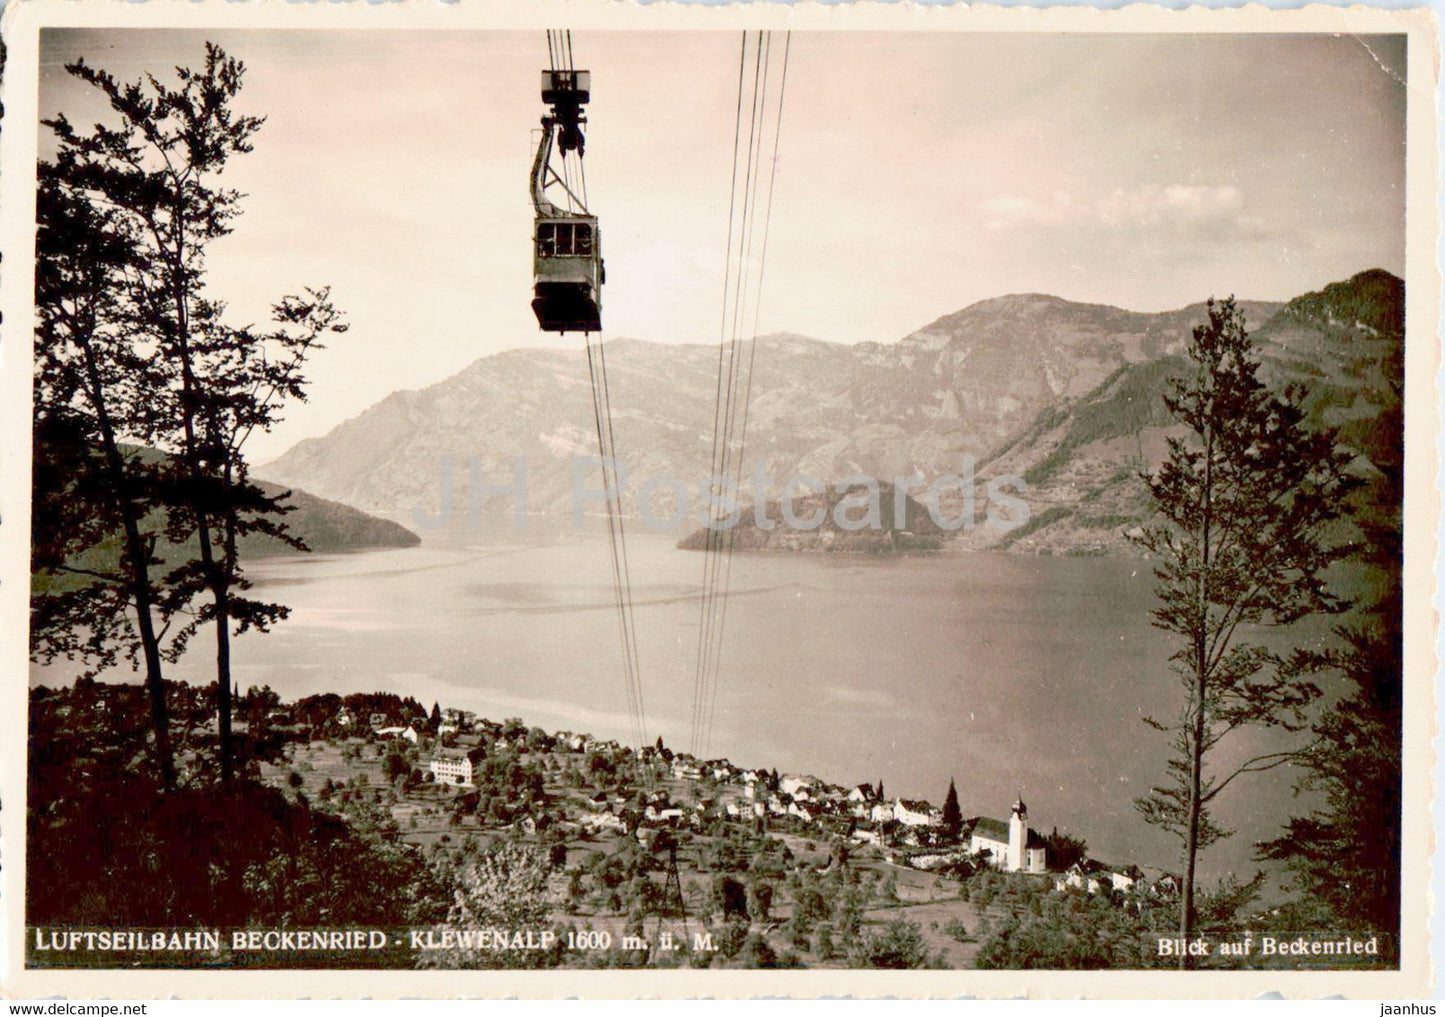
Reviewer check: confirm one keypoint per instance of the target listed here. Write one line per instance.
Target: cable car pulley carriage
(566, 254)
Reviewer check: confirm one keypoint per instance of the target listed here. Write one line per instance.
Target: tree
(952, 814)
(507, 888)
(397, 764)
(1243, 499)
(759, 899)
(156, 168)
(757, 952)
(1346, 853)
(730, 897)
(899, 944)
(93, 597)
(1062, 850)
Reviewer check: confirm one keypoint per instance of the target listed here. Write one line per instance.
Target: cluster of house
(450, 722)
(858, 812)
(1092, 877)
(911, 829)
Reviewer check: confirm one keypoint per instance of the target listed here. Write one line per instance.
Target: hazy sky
(918, 173)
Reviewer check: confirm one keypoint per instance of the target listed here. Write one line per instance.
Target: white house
(1166, 885)
(686, 769)
(862, 794)
(1092, 877)
(882, 812)
(1124, 878)
(408, 732)
(802, 810)
(916, 813)
(602, 821)
(668, 815)
(798, 788)
(457, 720)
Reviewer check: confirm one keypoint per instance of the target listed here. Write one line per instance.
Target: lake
(1011, 674)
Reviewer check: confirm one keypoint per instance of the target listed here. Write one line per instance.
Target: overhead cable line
(733, 392)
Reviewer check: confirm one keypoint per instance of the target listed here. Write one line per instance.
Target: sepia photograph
(719, 495)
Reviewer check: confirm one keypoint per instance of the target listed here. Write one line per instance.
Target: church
(1011, 846)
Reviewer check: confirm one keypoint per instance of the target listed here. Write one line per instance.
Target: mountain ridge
(997, 381)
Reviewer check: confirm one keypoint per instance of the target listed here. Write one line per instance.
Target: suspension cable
(572, 177)
(630, 625)
(748, 384)
(721, 467)
(733, 393)
(704, 624)
(621, 583)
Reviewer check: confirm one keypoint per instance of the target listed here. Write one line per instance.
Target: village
(644, 792)
(636, 846)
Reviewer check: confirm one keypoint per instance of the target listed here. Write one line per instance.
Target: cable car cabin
(568, 274)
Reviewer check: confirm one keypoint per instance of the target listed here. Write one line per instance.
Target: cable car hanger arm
(541, 167)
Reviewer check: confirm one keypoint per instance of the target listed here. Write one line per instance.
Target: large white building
(916, 813)
(1011, 846)
(457, 767)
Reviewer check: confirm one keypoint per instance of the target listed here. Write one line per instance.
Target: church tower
(1018, 836)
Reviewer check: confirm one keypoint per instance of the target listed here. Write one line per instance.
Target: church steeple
(1018, 834)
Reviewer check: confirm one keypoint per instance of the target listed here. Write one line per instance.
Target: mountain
(1063, 395)
(856, 519)
(1082, 458)
(326, 527)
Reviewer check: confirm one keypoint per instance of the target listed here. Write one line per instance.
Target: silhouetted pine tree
(952, 814)
(156, 165)
(1346, 853)
(1242, 497)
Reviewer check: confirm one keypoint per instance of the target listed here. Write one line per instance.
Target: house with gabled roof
(912, 812)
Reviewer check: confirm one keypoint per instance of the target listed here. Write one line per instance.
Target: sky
(917, 173)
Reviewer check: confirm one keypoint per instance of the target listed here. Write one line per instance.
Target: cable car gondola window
(565, 240)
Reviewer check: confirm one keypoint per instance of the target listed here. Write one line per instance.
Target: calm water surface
(1009, 673)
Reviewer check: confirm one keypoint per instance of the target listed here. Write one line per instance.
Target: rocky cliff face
(1062, 395)
(1342, 349)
